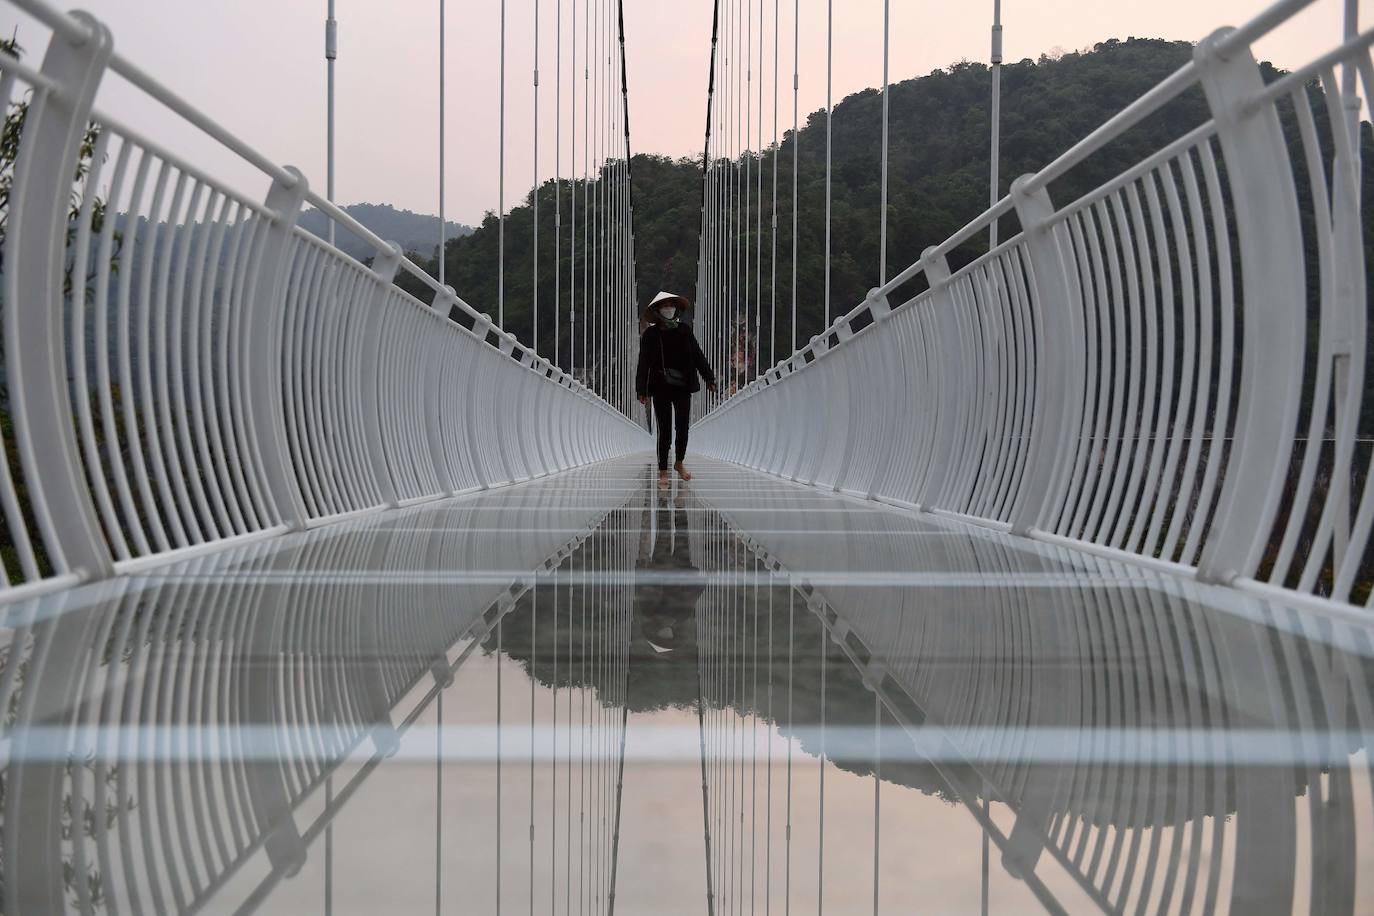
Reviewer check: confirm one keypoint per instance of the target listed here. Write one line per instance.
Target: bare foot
(682, 471)
(664, 480)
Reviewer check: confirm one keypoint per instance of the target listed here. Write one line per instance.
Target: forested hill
(412, 231)
(939, 161)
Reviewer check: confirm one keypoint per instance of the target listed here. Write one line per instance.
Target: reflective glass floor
(586, 694)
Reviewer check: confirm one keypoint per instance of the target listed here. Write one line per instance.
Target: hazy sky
(257, 66)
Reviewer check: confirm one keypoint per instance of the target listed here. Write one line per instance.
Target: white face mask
(669, 312)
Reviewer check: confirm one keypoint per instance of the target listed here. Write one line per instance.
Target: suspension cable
(501, 185)
(586, 186)
(758, 215)
(441, 148)
(534, 292)
(796, 151)
(557, 191)
(629, 261)
(572, 194)
(829, 141)
(882, 205)
(705, 269)
(773, 234)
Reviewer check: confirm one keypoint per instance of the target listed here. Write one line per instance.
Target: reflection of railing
(1070, 384)
(168, 734)
(185, 365)
(1149, 746)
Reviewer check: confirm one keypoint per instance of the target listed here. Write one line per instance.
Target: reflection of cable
(534, 624)
(703, 639)
(768, 820)
(500, 621)
(877, 791)
(791, 622)
(553, 750)
(582, 744)
(567, 825)
(439, 805)
(820, 827)
(754, 740)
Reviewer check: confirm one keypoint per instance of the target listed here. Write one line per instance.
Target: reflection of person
(670, 359)
(665, 607)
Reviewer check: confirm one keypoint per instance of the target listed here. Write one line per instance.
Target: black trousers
(665, 406)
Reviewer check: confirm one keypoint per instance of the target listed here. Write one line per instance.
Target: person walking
(670, 360)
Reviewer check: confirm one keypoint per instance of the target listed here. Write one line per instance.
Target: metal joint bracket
(936, 267)
(442, 673)
(482, 326)
(839, 631)
(387, 263)
(444, 300)
(878, 305)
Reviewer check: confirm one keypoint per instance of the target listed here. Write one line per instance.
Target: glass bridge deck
(585, 694)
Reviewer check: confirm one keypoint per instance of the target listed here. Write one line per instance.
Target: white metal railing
(186, 366)
(1170, 369)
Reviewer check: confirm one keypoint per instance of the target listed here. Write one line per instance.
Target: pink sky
(257, 67)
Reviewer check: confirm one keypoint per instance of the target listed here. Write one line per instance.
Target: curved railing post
(443, 303)
(1056, 327)
(267, 322)
(35, 349)
(384, 267)
(1273, 292)
(941, 306)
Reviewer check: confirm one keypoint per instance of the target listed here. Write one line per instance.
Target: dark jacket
(679, 350)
